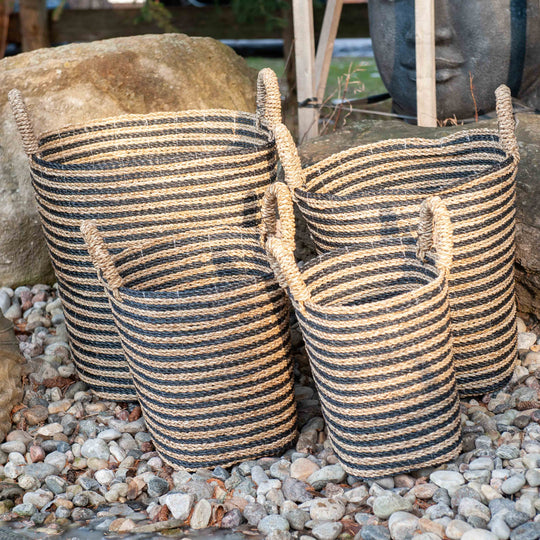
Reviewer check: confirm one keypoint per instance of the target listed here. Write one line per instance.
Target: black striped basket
(369, 194)
(377, 332)
(144, 175)
(205, 330)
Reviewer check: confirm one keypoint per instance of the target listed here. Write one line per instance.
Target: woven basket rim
(248, 238)
(131, 161)
(404, 298)
(404, 192)
(134, 117)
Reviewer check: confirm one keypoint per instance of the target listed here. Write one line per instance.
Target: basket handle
(268, 97)
(289, 158)
(435, 230)
(280, 250)
(24, 124)
(506, 121)
(277, 204)
(100, 255)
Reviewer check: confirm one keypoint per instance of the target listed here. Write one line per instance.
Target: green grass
(364, 79)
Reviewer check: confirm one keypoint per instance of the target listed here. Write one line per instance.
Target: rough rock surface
(10, 374)
(528, 185)
(81, 82)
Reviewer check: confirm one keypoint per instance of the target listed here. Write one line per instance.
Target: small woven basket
(144, 176)
(205, 331)
(377, 332)
(370, 195)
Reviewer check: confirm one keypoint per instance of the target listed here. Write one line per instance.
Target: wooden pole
(304, 43)
(426, 101)
(34, 24)
(325, 48)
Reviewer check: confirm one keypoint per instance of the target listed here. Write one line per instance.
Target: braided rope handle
(277, 205)
(435, 230)
(101, 257)
(24, 124)
(268, 97)
(506, 121)
(280, 249)
(289, 158)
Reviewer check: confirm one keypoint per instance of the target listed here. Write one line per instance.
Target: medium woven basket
(377, 332)
(144, 175)
(205, 330)
(369, 194)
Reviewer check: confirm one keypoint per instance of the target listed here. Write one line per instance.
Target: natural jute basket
(377, 332)
(371, 194)
(144, 176)
(205, 331)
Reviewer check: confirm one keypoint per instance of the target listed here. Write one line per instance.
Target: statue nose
(443, 34)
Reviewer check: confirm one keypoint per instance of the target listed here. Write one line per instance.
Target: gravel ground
(79, 467)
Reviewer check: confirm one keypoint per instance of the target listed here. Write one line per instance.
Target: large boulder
(10, 374)
(82, 82)
(528, 185)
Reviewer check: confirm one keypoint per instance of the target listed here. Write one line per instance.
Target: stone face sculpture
(494, 41)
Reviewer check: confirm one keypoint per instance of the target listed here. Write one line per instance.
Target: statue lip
(445, 69)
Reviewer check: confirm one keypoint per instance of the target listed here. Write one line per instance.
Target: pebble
(327, 509)
(402, 525)
(526, 340)
(385, 505)
(201, 515)
(327, 531)
(303, 468)
(272, 523)
(95, 448)
(179, 504)
(479, 534)
(375, 532)
(456, 529)
(330, 473)
(449, 480)
(13, 446)
(513, 484)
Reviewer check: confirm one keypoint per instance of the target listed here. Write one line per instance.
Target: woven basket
(376, 327)
(367, 195)
(205, 331)
(144, 175)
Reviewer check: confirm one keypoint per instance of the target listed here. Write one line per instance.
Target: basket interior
(425, 165)
(353, 278)
(201, 264)
(166, 137)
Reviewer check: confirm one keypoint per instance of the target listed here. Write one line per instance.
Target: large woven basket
(377, 332)
(366, 195)
(144, 175)
(205, 330)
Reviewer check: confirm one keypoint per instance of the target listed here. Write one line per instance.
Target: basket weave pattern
(205, 330)
(376, 328)
(370, 196)
(144, 176)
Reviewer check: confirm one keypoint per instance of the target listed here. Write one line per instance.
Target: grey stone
(38, 498)
(374, 532)
(507, 451)
(330, 473)
(527, 531)
(297, 519)
(179, 504)
(438, 511)
(272, 523)
(201, 515)
(254, 512)
(95, 448)
(294, 490)
(499, 528)
(456, 529)
(501, 505)
(41, 470)
(13, 446)
(24, 509)
(385, 505)
(327, 509)
(56, 484)
(402, 525)
(471, 507)
(220, 473)
(82, 514)
(514, 518)
(478, 534)
(513, 484)
(533, 477)
(157, 486)
(327, 531)
(232, 519)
